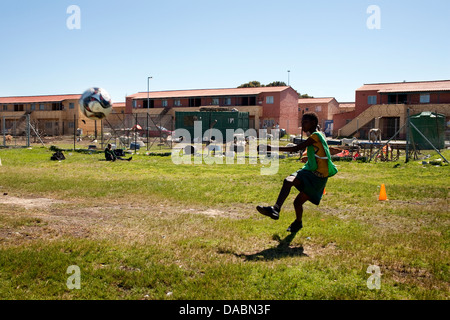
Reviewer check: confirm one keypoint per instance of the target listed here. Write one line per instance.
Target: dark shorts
(312, 185)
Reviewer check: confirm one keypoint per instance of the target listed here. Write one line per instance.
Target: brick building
(384, 106)
(53, 115)
(267, 106)
(325, 108)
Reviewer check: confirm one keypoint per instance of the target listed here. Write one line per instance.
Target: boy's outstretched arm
(298, 147)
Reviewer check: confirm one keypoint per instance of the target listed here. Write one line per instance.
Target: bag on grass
(58, 156)
(119, 153)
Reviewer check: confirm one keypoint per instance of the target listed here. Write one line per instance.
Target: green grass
(149, 229)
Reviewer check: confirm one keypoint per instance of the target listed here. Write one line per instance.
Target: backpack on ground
(58, 156)
(119, 152)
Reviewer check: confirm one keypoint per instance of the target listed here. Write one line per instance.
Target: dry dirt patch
(31, 203)
(113, 220)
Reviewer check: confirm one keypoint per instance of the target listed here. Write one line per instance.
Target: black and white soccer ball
(96, 103)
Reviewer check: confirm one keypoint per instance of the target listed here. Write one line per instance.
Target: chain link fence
(124, 131)
(20, 131)
(140, 131)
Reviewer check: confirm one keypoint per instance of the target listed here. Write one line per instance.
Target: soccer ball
(95, 103)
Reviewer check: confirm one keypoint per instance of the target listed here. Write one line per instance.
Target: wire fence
(124, 131)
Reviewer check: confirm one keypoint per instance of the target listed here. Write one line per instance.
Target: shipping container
(220, 120)
(432, 126)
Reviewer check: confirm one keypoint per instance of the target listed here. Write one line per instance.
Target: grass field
(150, 229)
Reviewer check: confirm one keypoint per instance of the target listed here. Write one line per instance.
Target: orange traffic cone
(383, 195)
(324, 191)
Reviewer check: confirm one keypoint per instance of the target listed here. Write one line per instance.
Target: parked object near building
(432, 126)
(220, 120)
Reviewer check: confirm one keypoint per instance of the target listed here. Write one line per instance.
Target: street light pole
(148, 91)
(289, 73)
(148, 107)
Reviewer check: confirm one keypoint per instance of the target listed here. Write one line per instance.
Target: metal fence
(15, 131)
(124, 131)
(138, 131)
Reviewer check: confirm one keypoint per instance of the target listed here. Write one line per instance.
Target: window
(56, 106)
(227, 101)
(269, 99)
(397, 99)
(146, 101)
(164, 103)
(71, 125)
(5, 107)
(71, 105)
(18, 107)
(425, 98)
(41, 106)
(177, 103)
(372, 100)
(134, 104)
(33, 106)
(195, 102)
(318, 108)
(215, 101)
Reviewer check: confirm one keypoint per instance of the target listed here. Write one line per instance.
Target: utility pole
(407, 136)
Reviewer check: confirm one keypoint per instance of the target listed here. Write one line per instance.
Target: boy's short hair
(312, 116)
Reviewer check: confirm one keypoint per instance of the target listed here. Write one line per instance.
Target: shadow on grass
(281, 251)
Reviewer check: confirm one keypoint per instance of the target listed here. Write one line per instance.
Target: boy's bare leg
(274, 212)
(297, 225)
(298, 205)
(288, 183)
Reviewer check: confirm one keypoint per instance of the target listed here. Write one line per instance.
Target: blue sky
(200, 44)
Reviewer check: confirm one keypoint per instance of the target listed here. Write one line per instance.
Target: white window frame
(425, 98)
(165, 103)
(215, 101)
(318, 109)
(177, 103)
(227, 101)
(269, 100)
(372, 100)
(41, 107)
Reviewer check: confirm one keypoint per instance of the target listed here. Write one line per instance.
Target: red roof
(40, 99)
(207, 92)
(347, 105)
(424, 86)
(118, 104)
(314, 100)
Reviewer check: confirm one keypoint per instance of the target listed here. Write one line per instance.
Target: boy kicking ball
(311, 179)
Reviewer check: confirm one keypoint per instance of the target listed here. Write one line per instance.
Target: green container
(432, 126)
(221, 120)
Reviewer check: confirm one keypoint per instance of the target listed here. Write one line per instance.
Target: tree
(257, 84)
(251, 84)
(304, 96)
(276, 84)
